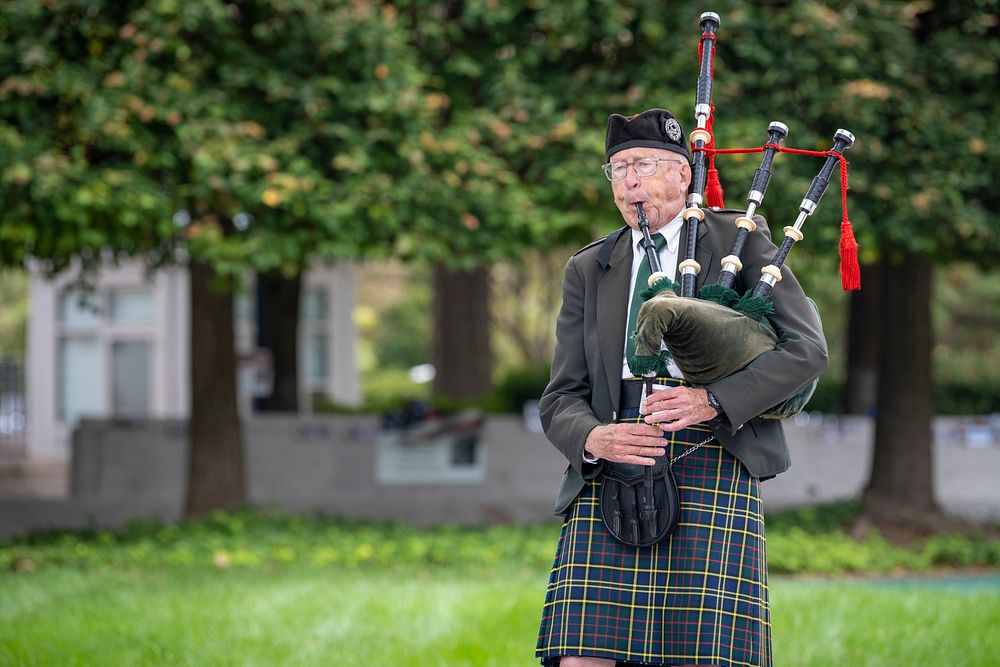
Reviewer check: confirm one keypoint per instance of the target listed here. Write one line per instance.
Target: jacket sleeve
(565, 411)
(800, 354)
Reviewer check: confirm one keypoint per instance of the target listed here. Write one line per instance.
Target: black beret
(655, 128)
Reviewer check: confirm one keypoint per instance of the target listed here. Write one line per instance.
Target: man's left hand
(676, 408)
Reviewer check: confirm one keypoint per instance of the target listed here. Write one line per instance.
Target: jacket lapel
(612, 312)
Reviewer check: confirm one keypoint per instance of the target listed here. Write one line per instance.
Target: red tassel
(850, 272)
(713, 189)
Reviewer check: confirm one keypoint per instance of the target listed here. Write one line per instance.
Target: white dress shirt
(668, 264)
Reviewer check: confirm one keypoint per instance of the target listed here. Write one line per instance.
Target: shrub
(811, 540)
(970, 397)
(518, 386)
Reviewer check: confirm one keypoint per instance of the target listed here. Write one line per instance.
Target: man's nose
(632, 179)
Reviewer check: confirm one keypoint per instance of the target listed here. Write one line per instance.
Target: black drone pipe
(700, 137)
(771, 274)
(731, 264)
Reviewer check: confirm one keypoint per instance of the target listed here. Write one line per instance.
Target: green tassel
(724, 296)
(655, 365)
(754, 307)
(661, 285)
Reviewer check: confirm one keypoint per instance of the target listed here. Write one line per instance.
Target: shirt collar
(671, 232)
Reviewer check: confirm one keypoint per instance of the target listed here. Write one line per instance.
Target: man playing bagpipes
(681, 342)
(700, 595)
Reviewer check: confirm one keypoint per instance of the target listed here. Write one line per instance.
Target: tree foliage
(912, 81)
(250, 134)
(463, 131)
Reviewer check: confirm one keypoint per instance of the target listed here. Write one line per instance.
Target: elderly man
(699, 596)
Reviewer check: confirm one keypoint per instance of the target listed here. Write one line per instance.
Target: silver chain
(691, 449)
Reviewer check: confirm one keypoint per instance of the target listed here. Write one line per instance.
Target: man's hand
(626, 443)
(675, 408)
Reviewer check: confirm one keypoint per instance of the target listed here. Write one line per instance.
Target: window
(104, 347)
(78, 308)
(81, 378)
(313, 336)
(315, 359)
(132, 305)
(314, 305)
(130, 378)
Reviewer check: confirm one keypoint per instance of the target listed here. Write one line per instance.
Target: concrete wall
(322, 464)
(328, 464)
(831, 460)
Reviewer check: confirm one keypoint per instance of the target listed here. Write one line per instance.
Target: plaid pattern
(698, 597)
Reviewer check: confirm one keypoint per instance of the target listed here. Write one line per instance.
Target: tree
(278, 303)
(859, 393)
(226, 137)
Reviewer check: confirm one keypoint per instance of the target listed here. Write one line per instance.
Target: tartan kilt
(698, 597)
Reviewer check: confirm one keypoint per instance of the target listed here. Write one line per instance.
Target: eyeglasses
(644, 166)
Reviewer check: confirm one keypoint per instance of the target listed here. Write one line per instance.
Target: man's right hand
(626, 443)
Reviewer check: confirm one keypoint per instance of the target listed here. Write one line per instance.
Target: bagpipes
(718, 332)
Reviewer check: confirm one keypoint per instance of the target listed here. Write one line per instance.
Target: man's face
(662, 195)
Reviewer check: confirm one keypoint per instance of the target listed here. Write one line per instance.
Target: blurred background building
(119, 350)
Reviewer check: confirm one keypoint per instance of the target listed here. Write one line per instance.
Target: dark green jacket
(585, 385)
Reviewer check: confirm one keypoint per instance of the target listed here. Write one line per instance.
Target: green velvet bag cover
(707, 341)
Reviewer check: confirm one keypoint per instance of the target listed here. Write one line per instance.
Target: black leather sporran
(637, 511)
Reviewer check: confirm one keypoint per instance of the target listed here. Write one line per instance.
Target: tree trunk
(216, 478)
(901, 486)
(858, 394)
(278, 300)
(462, 356)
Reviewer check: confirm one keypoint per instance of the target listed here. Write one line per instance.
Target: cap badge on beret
(673, 129)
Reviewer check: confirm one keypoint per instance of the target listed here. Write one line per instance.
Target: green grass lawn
(262, 588)
(455, 615)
